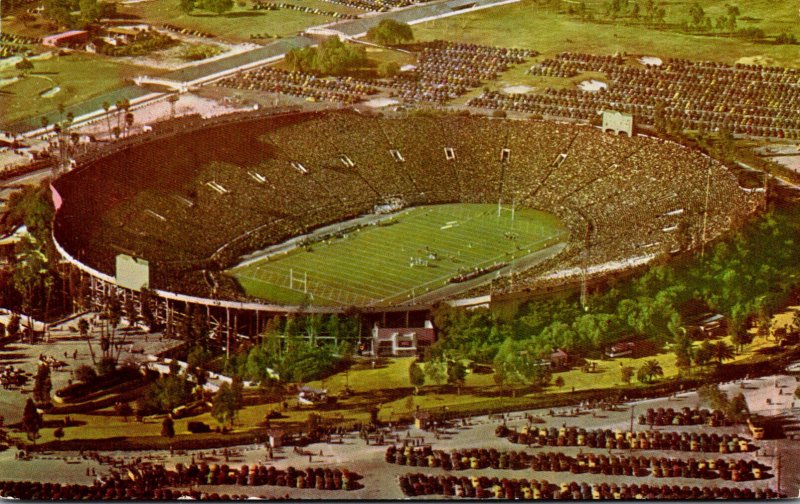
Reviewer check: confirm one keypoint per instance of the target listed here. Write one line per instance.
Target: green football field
(415, 252)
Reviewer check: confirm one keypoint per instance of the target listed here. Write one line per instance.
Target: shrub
(200, 52)
(198, 427)
(85, 373)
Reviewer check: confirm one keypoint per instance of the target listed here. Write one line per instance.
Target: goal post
(297, 280)
(512, 209)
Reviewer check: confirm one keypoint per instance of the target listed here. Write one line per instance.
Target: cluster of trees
(28, 282)
(215, 6)
(78, 13)
(440, 371)
(149, 42)
(390, 32)
(735, 408)
(331, 57)
(297, 349)
(747, 278)
(520, 363)
(699, 20)
(166, 393)
(227, 402)
(647, 11)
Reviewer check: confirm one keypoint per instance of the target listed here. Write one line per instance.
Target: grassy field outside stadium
(534, 25)
(373, 265)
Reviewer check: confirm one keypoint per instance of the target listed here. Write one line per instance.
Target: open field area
(374, 264)
(27, 95)
(238, 24)
(549, 32)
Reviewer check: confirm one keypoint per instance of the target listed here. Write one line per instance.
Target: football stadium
(337, 209)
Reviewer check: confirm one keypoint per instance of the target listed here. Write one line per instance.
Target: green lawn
(240, 22)
(373, 264)
(22, 98)
(527, 24)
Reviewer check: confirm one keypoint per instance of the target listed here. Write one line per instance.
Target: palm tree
(106, 108)
(83, 327)
(128, 123)
(173, 99)
(722, 351)
(652, 368)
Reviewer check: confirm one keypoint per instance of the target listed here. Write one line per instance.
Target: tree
(456, 374)
(186, 6)
(436, 371)
(390, 32)
(31, 420)
(90, 11)
(13, 325)
(737, 409)
(29, 273)
(331, 57)
(83, 328)
(224, 405)
(42, 385)
(24, 64)
(697, 14)
(635, 11)
(147, 315)
(388, 68)
(106, 108)
(168, 428)
(416, 376)
(58, 433)
(722, 351)
(713, 396)
(682, 347)
(130, 311)
(626, 373)
(649, 370)
(123, 409)
(85, 373)
(741, 336)
(704, 353)
(216, 6)
(559, 382)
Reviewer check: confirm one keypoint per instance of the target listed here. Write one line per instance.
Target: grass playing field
(373, 265)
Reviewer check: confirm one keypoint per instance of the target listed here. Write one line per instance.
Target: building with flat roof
(67, 38)
(401, 341)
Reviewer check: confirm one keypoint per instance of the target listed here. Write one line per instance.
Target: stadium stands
(196, 200)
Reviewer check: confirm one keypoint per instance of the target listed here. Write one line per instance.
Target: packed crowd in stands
(345, 90)
(619, 440)
(744, 99)
(447, 70)
(263, 5)
(483, 487)
(198, 202)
